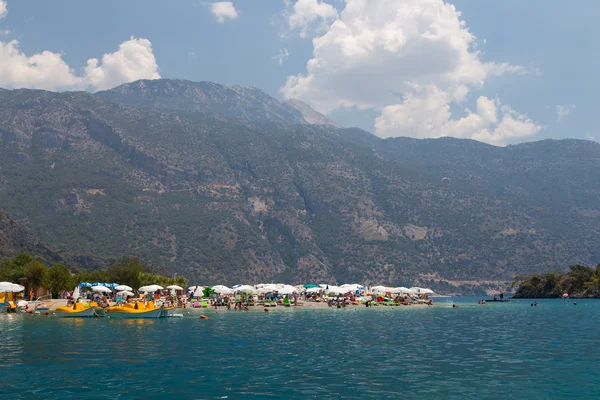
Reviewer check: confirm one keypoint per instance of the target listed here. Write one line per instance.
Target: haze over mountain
(227, 184)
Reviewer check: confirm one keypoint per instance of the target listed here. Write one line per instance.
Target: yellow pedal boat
(78, 310)
(135, 310)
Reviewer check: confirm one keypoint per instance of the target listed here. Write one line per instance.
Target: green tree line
(579, 281)
(127, 271)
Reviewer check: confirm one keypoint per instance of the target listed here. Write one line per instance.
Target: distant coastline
(578, 283)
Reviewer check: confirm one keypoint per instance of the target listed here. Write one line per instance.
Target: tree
(127, 272)
(59, 278)
(35, 272)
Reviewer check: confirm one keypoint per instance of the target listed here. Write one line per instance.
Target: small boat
(135, 310)
(77, 310)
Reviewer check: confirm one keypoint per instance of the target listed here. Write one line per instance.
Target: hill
(226, 186)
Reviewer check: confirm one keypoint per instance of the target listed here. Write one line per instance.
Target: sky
(502, 72)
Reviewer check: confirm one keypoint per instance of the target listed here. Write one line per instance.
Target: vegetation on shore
(127, 271)
(579, 282)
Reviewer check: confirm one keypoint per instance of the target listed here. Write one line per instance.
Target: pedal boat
(135, 310)
(78, 310)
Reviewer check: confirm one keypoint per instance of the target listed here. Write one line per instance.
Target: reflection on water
(492, 351)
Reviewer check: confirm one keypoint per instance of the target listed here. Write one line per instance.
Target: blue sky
(548, 50)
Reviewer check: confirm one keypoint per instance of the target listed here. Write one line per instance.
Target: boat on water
(77, 310)
(137, 310)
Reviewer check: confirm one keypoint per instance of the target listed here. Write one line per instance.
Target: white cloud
(306, 13)
(47, 70)
(425, 113)
(563, 111)
(3, 9)
(223, 10)
(411, 60)
(282, 56)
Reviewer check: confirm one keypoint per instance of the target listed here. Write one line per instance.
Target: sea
(494, 351)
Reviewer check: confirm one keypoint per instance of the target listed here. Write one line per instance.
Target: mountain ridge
(222, 197)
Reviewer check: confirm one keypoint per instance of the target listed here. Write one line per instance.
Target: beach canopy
(311, 286)
(10, 287)
(287, 289)
(220, 289)
(125, 293)
(174, 287)
(123, 288)
(101, 289)
(150, 288)
(246, 289)
(337, 290)
(314, 289)
(381, 289)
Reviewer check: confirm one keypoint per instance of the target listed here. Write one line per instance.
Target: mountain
(311, 115)
(222, 194)
(14, 239)
(248, 104)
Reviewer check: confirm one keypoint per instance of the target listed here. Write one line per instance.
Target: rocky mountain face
(229, 185)
(311, 115)
(14, 240)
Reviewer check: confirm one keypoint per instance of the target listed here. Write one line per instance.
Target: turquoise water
(494, 351)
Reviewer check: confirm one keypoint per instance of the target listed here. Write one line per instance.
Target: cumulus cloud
(425, 113)
(411, 60)
(3, 9)
(282, 56)
(223, 10)
(305, 14)
(563, 111)
(47, 70)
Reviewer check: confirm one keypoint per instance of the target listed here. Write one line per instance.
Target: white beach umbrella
(246, 289)
(401, 290)
(220, 289)
(123, 287)
(150, 288)
(287, 289)
(174, 287)
(101, 289)
(10, 287)
(337, 290)
(125, 293)
(314, 290)
(381, 289)
(426, 291)
(22, 303)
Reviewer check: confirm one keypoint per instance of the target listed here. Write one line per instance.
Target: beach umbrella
(150, 288)
(125, 293)
(381, 289)
(174, 287)
(10, 287)
(123, 288)
(314, 290)
(401, 290)
(311, 286)
(220, 289)
(287, 290)
(426, 291)
(246, 289)
(101, 289)
(86, 284)
(22, 303)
